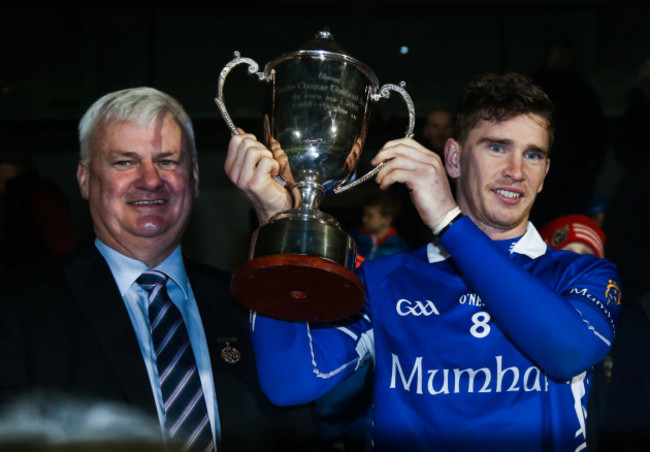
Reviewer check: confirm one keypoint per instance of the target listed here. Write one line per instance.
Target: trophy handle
(252, 70)
(384, 93)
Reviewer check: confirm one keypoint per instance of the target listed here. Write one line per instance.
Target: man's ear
(452, 158)
(82, 179)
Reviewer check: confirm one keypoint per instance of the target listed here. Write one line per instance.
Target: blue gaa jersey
(479, 345)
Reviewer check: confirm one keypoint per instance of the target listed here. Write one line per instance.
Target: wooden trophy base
(298, 288)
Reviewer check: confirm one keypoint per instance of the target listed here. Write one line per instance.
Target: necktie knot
(152, 279)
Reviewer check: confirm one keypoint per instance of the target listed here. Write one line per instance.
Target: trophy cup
(315, 124)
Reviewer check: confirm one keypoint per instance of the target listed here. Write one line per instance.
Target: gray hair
(139, 106)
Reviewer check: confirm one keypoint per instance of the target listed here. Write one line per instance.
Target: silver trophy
(315, 124)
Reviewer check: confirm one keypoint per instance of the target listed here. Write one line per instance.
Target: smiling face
(500, 169)
(140, 183)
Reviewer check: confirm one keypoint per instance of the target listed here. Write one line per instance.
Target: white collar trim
(530, 244)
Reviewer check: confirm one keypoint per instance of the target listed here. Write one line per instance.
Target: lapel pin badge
(228, 353)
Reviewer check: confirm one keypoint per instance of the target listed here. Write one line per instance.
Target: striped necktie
(184, 408)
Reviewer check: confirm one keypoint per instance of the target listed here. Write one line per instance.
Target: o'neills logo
(415, 377)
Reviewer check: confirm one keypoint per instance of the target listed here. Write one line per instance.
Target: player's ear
(452, 158)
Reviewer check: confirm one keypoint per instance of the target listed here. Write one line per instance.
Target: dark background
(58, 57)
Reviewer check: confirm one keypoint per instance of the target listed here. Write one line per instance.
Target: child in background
(377, 236)
(577, 233)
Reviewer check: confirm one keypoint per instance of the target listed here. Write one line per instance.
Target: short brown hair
(494, 97)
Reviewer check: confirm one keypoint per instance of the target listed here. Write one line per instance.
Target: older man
(128, 318)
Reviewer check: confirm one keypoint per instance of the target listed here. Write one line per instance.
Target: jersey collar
(530, 244)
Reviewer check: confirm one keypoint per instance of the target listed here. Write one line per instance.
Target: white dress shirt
(126, 271)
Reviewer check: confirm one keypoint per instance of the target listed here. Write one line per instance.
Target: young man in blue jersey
(485, 339)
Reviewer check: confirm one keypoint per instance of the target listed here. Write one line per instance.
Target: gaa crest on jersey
(613, 293)
(416, 308)
(559, 235)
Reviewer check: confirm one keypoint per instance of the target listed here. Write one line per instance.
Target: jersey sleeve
(565, 328)
(299, 362)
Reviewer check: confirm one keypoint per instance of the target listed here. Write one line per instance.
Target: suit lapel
(223, 320)
(213, 299)
(96, 293)
(224, 324)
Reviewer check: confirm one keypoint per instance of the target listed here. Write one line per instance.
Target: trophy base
(298, 288)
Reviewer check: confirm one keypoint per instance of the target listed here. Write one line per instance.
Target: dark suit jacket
(64, 327)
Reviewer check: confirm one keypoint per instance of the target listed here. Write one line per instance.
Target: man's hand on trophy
(252, 168)
(422, 171)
